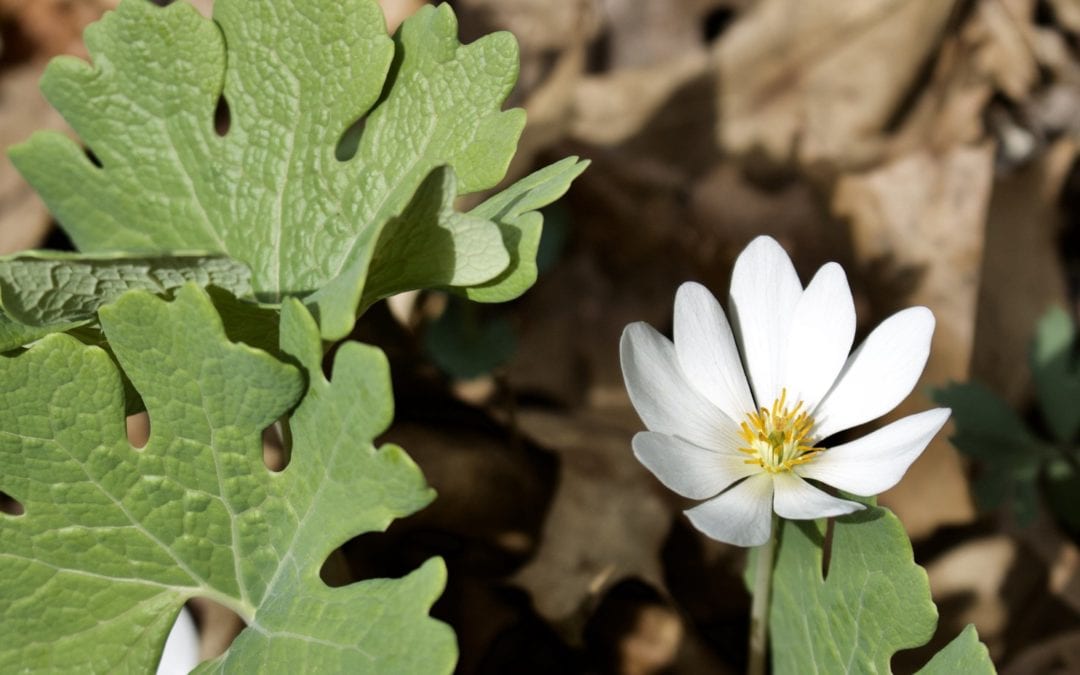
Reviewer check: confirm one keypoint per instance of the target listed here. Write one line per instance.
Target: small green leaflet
(465, 342)
(113, 539)
(272, 191)
(1010, 456)
(1014, 459)
(1056, 370)
(517, 211)
(965, 654)
(874, 601)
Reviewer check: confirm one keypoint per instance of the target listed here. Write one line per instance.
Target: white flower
(746, 443)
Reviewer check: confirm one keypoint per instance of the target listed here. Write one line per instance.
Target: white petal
(798, 500)
(820, 338)
(764, 292)
(687, 469)
(880, 374)
(663, 398)
(877, 461)
(740, 516)
(707, 352)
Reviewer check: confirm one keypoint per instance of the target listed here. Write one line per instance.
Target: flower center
(777, 438)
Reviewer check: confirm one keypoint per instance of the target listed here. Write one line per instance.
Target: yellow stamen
(777, 438)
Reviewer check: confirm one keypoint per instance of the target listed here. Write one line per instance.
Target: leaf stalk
(759, 608)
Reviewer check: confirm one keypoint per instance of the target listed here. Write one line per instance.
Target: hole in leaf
(716, 22)
(336, 571)
(222, 116)
(138, 430)
(10, 506)
(218, 626)
(93, 158)
(277, 445)
(826, 548)
(58, 240)
(350, 140)
(181, 652)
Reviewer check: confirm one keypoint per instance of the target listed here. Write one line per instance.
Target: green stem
(759, 609)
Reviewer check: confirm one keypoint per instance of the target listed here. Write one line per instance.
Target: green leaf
(517, 211)
(1010, 457)
(1057, 373)
(44, 288)
(113, 540)
(965, 654)
(1062, 491)
(874, 602)
(272, 191)
(431, 245)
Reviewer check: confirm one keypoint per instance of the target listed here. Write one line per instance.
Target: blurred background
(929, 146)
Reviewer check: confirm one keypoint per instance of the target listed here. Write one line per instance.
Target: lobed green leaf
(114, 539)
(278, 190)
(873, 601)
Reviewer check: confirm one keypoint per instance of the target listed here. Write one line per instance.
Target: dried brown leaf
(819, 81)
(919, 223)
(1022, 273)
(607, 521)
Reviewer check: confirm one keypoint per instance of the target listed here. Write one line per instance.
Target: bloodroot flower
(749, 441)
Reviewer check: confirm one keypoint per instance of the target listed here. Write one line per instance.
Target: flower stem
(759, 608)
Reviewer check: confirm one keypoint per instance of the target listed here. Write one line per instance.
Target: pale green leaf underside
(874, 602)
(43, 287)
(45, 292)
(271, 192)
(113, 540)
